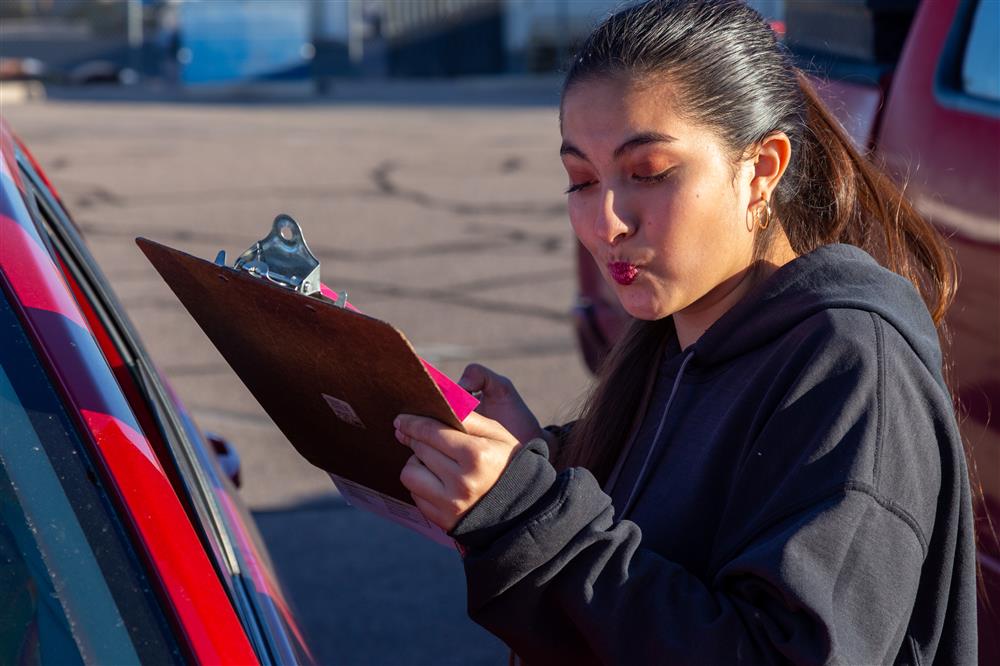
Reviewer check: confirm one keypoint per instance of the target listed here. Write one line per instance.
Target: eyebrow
(641, 139)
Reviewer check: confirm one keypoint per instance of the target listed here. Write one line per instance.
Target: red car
(917, 85)
(121, 539)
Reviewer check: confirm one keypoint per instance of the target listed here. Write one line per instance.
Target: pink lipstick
(623, 272)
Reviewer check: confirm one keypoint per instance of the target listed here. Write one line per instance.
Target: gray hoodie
(797, 493)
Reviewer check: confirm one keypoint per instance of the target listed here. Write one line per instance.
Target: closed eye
(656, 177)
(576, 187)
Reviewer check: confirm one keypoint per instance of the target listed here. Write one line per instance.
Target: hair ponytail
(836, 195)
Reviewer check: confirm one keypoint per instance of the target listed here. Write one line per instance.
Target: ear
(769, 165)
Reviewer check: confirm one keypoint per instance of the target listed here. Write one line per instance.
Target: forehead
(611, 107)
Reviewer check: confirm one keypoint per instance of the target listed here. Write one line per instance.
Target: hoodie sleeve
(831, 576)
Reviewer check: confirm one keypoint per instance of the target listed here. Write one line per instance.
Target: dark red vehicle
(917, 85)
(121, 540)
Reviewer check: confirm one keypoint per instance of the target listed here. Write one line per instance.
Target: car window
(980, 73)
(71, 587)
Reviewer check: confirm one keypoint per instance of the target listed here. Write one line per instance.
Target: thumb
(475, 377)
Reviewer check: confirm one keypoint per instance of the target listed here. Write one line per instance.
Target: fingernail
(396, 423)
(399, 437)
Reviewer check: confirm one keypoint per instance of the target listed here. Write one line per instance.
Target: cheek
(713, 206)
(692, 230)
(669, 217)
(580, 218)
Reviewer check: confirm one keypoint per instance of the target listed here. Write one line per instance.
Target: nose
(611, 224)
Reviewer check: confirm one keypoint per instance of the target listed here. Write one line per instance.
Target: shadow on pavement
(370, 592)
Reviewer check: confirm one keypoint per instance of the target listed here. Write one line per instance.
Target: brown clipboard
(332, 379)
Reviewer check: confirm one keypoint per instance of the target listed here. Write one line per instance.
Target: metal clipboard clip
(282, 257)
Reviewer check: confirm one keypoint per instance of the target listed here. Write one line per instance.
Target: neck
(692, 322)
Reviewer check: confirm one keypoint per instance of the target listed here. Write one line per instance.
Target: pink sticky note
(460, 400)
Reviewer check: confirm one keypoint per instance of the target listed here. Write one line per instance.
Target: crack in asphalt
(452, 296)
(435, 354)
(439, 296)
(89, 196)
(493, 283)
(488, 238)
(547, 243)
(381, 176)
(98, 195)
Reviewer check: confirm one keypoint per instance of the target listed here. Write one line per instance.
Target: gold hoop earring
(765, 215)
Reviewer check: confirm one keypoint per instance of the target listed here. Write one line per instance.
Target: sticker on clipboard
(344, 411)
(391, 509)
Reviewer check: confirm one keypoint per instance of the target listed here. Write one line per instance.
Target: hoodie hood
(804, 500)
(830, 277)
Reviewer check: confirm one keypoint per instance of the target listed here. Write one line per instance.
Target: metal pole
(562, 53)
(133, 9)
(355, 31)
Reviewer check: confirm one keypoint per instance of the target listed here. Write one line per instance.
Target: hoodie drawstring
(656, 438)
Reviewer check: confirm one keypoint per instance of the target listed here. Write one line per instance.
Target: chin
(645, 311)
(649, 300)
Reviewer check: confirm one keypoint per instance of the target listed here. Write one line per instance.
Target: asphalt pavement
(439, 208)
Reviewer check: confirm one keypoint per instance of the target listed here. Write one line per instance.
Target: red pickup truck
(917, 85)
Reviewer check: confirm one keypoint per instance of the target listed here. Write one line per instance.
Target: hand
(450, 470)
(501, 402)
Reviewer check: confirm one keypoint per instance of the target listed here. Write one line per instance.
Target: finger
(435, 434)
(431, 513)
(441, 465)
(474, 377)
(478, 425)
(419, 480)
(480, 378)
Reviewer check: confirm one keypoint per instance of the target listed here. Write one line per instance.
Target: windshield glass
(71, 588)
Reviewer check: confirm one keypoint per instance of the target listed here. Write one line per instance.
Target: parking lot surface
(441, 212)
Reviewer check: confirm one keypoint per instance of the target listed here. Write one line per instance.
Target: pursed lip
(623, 272)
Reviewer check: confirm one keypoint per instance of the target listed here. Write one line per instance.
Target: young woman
(769, 469)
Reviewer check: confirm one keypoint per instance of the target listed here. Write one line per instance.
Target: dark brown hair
(736, 79)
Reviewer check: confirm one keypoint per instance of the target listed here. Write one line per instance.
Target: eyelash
(576, 187)
(655, 178)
